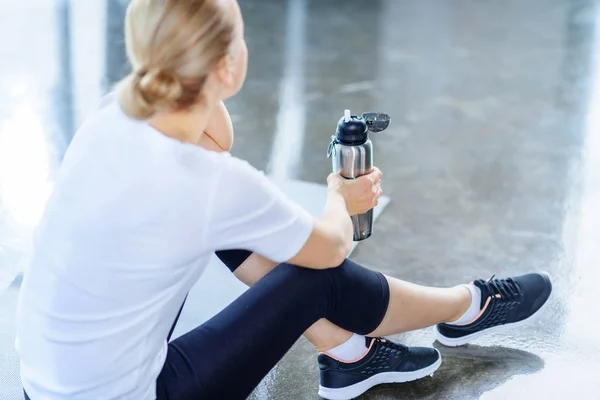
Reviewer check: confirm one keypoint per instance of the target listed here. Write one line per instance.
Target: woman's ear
(224, 71)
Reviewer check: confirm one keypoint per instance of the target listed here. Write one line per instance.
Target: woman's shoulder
(106, 113)
(107, 100)
(221, 164)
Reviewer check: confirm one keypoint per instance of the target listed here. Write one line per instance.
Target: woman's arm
(327, 246)
(249, 212)
(331, 239)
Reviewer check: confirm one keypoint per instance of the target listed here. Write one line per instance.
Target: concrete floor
(492, 160)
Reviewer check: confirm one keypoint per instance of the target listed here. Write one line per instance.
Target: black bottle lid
(352, 130)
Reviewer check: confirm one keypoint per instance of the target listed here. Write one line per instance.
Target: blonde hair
(172, 46)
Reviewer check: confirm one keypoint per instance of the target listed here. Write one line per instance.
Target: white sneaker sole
(352, 391)
(455, 342)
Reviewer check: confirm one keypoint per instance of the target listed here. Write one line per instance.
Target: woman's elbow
(326, 248)
(340, 257)
(339, 254)
(342, 248)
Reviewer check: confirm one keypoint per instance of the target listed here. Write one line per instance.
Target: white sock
(474, 309)
(352, 349)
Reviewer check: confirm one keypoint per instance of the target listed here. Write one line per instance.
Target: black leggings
(227, 356)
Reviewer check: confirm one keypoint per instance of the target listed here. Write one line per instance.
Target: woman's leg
(411, 306)
(415, 307)
(249, 268)
(226, 357)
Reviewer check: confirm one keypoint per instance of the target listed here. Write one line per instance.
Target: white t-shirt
(129, 228)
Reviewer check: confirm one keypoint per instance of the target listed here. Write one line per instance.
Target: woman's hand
(361, 194)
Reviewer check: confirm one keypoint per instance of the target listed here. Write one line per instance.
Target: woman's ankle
(351, 350)
(463, 303)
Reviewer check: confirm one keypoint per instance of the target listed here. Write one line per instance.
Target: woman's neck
(185, 126)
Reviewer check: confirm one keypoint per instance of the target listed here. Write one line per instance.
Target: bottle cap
(352, 129)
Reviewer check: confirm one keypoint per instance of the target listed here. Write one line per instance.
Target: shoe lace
(390, 344)
(506, 289)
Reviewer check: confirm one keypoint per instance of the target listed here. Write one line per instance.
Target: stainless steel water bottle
(351, 153)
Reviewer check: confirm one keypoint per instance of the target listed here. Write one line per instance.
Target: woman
(146, 193)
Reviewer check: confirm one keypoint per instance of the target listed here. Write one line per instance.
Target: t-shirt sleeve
(249, 212)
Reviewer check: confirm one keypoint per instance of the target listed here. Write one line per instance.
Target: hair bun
(160, 88)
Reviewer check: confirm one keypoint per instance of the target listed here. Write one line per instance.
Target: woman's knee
(351, 296)
(304, 281)
(297, 275)
(361, 297)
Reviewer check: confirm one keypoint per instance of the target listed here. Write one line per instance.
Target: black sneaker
(505, 304)
(384, 362)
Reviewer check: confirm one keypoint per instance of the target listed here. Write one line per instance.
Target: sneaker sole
(352, 391)
(461, 341)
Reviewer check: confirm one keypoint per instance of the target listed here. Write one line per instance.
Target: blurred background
(492, 160)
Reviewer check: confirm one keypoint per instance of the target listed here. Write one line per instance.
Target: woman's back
(124, 234)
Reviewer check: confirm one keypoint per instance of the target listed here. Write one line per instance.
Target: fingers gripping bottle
(351, 153)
